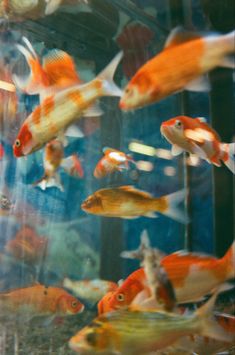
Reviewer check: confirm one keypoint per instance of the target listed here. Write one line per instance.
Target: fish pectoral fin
(200, 84)
(151, 215)
(93, 111)
(198, 151)
(74, 131)
(176, 150)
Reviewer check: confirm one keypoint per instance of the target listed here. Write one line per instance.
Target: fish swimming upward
(58, 111)
(195, 136)
(40, 300)
(181, 65)
(192, 275)
(53, 160)
(129, 202)
(113, 160)
(130, 332)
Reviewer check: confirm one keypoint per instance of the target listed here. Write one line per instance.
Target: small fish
(40, 300)
(27, 245)
(113, 160)
(5, 203)
(8, 97)
(129, 202)
(53, 160)
(192, 275)
(181, 65)
(132, 332)
(1, 151)
(53, 156)
(195, 136)
(90, 290)
(58, 111)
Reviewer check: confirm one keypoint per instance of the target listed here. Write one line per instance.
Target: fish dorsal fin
(60, 68)
(178, 36)
(131, 188)
(108, 150)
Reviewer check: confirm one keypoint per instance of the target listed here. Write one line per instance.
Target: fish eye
(120, 297)
(17, 143)
(74, 304)
(178, 124)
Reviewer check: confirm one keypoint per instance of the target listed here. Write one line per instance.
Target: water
(80, 245)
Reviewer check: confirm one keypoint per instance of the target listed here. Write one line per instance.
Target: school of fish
(142, 313)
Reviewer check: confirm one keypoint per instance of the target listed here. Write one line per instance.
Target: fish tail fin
(209, 326)
(229, 156)
(170, 206)
(106, 76)
(229, 261)
(229, 40)
(32, 83)
(49, 181)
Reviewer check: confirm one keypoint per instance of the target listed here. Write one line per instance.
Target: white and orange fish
(129, 202)
(57, 111)
(195, 136)
(90, 290)
(40, 300)
(181, 65)
(193, 275)
(53, 160)
(113, 160)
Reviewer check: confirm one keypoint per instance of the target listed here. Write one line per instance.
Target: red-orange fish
(195, 136)
(181, 65)
(113, 160)
(27, 245)
(60, 109)
(40, 300)
(192, 276)
(1, 151)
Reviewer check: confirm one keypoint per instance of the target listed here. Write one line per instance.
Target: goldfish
(90, 290)
(5, 203)
(181, 65)
(103, 304)
(129, 202)
(53, 160)
(139, 332)
(57, 111)
(27, 245)
(40, 300)
(195, 136)
(1, 151)
(8, 96)
(113, 160)
(192, 275)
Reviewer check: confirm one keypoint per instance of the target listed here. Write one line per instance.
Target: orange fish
(128, 202)
(1, 151)
(40, 300)
(27, 245)
(196, 137)
(59, 110)
(181, 65)
(103, 305)
(113, 160)
(53, 160)
(192, 275)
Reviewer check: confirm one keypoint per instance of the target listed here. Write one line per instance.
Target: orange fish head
(93, 204)
(68, 304)
(173, 129)
(104, 304)
(125, 294)
(23, 144)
